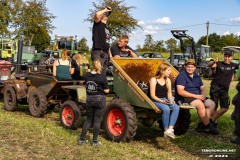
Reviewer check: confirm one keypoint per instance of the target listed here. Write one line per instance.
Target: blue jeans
(168, 119)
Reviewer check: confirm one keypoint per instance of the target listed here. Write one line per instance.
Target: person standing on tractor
(122, 49)
(161, 95)
(190, 89)
(96, 87)
(220, 84)
(101, 37)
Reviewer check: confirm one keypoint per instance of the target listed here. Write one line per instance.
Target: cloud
(226, 33)
(141, 22)
(163, 20)
(235, 20)
(151, 29)
(238, 33)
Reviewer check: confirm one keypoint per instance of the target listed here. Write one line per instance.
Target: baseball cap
(228, 52)
(190, 61)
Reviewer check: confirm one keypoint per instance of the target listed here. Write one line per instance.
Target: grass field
(26, 137)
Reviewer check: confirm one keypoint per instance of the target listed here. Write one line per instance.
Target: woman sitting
(61, 67)
(161, 95)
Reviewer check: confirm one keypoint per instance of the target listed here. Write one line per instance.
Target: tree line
(31, 21)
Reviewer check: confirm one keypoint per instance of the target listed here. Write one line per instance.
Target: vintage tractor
(201, 54)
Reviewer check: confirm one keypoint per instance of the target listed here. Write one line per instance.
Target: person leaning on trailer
(62, 66)
(122, 49)
(96, 87)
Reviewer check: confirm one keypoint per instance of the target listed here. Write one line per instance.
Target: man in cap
(220, 84)
(101, 37)
(190, 89)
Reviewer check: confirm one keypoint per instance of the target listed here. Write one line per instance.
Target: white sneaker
(169, 133)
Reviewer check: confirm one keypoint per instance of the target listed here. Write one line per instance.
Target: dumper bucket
(128, 71)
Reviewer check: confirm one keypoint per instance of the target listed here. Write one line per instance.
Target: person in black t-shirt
(101, 37)
(96, 87)
(220, 84)
(122, 49)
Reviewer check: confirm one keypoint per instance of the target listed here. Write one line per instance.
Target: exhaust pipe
(19, 56)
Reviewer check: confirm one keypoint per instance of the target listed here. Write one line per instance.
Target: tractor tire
(10, 99)
(120, 122)
(42, 64)
(70, 115)
(37, 103)
(183, 122)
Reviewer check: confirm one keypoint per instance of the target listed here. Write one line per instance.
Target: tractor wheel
(120, 122)
(183, 122)
(70, 115)
(42, 64)
(10, 99)
(37, 103)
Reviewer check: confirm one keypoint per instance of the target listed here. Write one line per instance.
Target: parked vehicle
(201, 54)
(152, 55)
(8, 47)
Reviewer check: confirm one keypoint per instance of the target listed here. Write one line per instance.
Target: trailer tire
(183, 122)
(37, 103)
(121, 112)
(70, 115)
(10, 99)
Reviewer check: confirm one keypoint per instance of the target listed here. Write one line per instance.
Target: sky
(157, 17)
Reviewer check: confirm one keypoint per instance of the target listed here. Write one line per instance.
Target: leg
(165, 114)
(174, 116)
(201, 111)
(97, 122)
(87, 123)
(224, 104)
(210, 107)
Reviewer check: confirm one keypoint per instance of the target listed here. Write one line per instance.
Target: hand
(200, 97)
(108, 9)
(216, 60)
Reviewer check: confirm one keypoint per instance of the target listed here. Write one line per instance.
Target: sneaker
(95, 144)
(214, 124)
(169, 133)
(235, 140)
(81, 142)
(214, 130)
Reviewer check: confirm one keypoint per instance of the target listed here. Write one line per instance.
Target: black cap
(228, 52)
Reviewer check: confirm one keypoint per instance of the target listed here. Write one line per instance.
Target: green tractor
(8, 48)
(65, 42)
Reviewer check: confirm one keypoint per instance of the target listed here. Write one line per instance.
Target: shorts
(190, 99)
(219, 94)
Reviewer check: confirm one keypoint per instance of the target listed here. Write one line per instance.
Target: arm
(131, 53)
(153, 83)
(183, 93)
(169, 89)
(213, 63)
(203, 92)
(55, 68)
(98, 14)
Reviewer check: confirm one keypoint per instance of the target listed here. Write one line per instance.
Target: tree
(148, 43)
(41, 39)
(214, 41)
(229, 40)
(172, 44)
(120, 21)
(82, 45)
(29, 17)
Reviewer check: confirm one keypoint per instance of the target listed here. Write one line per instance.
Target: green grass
(26, 137)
